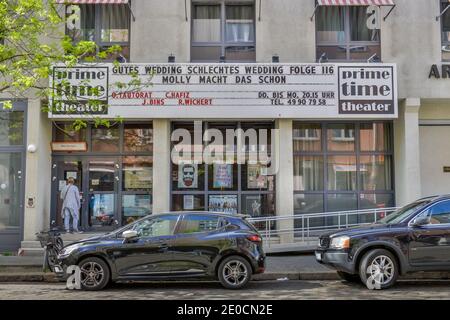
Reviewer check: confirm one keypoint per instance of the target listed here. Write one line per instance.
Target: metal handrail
(308, 230)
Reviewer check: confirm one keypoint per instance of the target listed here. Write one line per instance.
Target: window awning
(443, 11)
(92, 1)
(97, 2)
(355, 3)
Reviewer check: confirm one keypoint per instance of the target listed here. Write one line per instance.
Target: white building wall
(410, 37)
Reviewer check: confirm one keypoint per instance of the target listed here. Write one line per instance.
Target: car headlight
(342, 242)
(68, 250)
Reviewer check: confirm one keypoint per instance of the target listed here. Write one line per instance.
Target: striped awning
(355, 2)
(92, 1)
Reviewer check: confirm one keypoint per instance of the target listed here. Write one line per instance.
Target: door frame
(84, 212)
(116, 191)
(14, 233)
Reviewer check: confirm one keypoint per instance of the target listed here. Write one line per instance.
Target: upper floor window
(445, 21)
(348, 33)
(105, 24)
(224, 31)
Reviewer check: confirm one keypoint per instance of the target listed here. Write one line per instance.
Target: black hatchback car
(414, 238)
(170, 246)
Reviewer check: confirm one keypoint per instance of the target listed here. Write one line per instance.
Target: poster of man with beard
(187, 176)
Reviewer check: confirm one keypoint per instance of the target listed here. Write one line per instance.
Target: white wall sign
(250, 91)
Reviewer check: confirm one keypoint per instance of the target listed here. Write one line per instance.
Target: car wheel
(378, 269)
(95, 274)
(234, 272)
(353, 278)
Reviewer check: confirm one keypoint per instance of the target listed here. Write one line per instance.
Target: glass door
(10, 190)
(102, 189)
(64, 168)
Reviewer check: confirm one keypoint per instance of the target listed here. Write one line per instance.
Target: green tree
(32, 40)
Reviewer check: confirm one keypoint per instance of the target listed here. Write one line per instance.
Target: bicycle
(52, 243)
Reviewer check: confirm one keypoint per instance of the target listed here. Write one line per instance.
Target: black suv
(414, 238)
(169, 246)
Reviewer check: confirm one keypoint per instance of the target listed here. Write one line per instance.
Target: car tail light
(254, 238)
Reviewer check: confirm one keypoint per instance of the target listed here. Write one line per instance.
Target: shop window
(445, 30)
(138, 138)
(223, 30)
(375, 136)
(105, 24)
(353, 172)
(65, 132)
(105, 139)
(137, 173)
(308, 173)
(348, 33)
(229, 187)
(307, 137)
(135, 206)
(341, 137)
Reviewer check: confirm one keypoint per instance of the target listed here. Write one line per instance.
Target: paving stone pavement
(284, 290)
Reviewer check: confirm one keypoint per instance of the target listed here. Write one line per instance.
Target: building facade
(326, 161)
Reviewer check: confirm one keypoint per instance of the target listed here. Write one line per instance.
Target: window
(439, 213)
(199, 223)
(445, 27)
(122, 166)
(64, 132)
(224, 187)
(157, 226)
(11, 128)
(347, 167)
(224, 30)
(105, 139)
(343, 32)
(105, 24)
(137, 172)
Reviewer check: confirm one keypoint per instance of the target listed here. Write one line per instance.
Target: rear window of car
(199, 223)
(242, 224)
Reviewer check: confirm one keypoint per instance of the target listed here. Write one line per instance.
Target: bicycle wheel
(52, 258)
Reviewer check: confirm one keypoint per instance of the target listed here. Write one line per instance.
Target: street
(260, 290)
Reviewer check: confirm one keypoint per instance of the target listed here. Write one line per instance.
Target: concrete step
(30, 244)
(20, 261)
(31, 252)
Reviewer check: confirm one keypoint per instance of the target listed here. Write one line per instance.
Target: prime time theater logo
(80, 90)
(366, 90)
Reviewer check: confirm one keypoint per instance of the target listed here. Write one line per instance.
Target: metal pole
(259, 18)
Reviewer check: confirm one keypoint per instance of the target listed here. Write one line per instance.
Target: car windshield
(402, 213)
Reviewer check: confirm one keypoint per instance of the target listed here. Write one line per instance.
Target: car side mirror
(420, 221)
(129, 235)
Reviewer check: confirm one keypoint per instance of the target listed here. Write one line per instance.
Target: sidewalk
(287, 267)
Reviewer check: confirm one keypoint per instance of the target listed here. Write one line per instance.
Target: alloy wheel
(92, 274)
(382, 269)
(235, 272)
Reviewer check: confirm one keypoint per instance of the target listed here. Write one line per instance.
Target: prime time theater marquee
(252, 91)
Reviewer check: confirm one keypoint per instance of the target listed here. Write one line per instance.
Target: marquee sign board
(244, 91)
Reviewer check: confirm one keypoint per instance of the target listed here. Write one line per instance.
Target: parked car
(414, 238)
(168, 246)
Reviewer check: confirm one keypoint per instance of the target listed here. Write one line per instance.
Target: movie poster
(188, 202)
(223, 176)
(187, 176)
(256, 176)
(223, 203)
(253, 205)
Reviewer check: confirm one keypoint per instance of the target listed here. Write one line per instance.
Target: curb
(270, 276)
